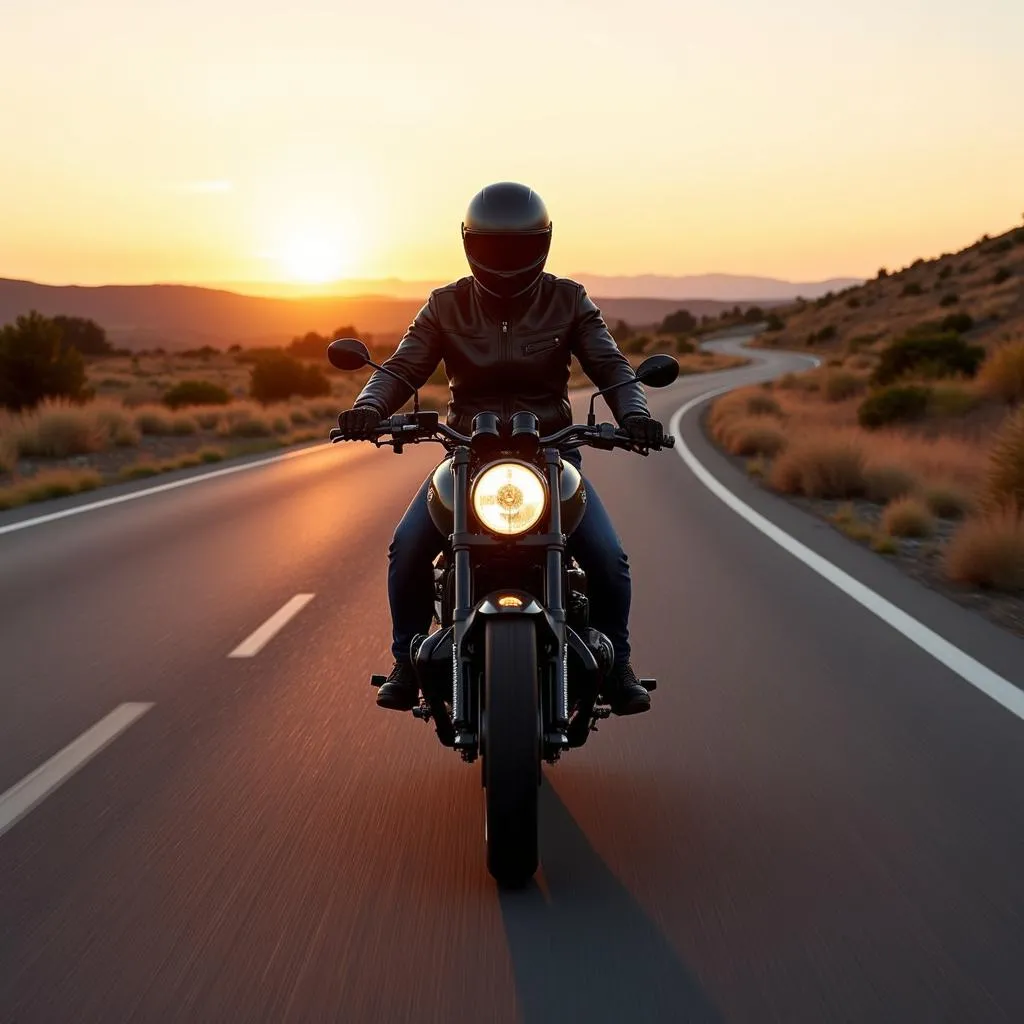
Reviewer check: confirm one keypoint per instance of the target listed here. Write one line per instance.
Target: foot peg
(649, 684)
(378, 681)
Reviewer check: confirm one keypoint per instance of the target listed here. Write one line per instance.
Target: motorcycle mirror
(658, 371)
(348, 354)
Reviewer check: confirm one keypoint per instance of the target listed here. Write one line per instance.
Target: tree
(622, 332)
(85, 335)
(682, 321)
(278, 376)
(310, 346)
(36, 363)
(753, 315)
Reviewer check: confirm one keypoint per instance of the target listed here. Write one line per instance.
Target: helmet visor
(509, 252)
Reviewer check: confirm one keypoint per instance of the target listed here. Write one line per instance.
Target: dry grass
(1004, 481)
(947, 501)
(49, 483)
(753, 435)
(159, 421)
(1002, 374)
(885, 481)
(908, 517)
(828, 466)
(988, 551)
(840, 385)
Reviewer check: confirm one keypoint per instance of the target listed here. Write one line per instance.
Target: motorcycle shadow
(582, 948)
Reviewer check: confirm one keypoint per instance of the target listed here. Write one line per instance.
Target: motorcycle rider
(506, 335)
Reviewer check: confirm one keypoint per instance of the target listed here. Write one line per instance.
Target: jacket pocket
(533, 347)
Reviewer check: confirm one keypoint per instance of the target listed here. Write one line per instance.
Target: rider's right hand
(359, 424)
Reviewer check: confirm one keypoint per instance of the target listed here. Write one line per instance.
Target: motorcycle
(513, 673)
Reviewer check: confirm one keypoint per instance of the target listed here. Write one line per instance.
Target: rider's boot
(401, 689)
(624, 692)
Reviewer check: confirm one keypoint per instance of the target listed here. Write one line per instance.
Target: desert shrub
(208, 419)
(774, 322)
(945, 272)
(838, 385)
(324, 408)
(949, 299)
(912, 288)
(756, 435)
(760, 404)
(281, 424)
(966, 268)
(1004, 479)
(299, 416)
(8, 454)
(853, 302)
(908, 517)
(988, 551)
(277, 376)
(56, 429)
(36, 362)
(958, 322)
(182, 425)
(896, 404)
(1001, 275)
(1002, 374)
(248, 423)
(196, 392)
(952, 400)
(117, 425)
(210, 454)
(154, 420)
(929, 354)
(632, 346)
(947, 501)
(140, 470)
(886, 481)
(684, 346)
(820, 467)
(49, 483)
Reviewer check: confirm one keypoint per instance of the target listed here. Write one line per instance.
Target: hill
(185, 316)
(984, 282)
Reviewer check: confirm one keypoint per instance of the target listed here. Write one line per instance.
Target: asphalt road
(818, 822)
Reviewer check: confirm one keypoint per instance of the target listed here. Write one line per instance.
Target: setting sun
(314, 259)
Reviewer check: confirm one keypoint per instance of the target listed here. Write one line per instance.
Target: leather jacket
(505, 360)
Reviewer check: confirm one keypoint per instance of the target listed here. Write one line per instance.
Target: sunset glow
(233, 141)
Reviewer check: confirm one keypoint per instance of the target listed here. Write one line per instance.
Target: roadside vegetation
(76, 413)
(910, 435)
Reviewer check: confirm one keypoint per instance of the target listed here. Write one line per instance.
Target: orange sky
(230, 141)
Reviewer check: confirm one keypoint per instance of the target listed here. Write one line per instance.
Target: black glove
(359, 424)
(644, 431)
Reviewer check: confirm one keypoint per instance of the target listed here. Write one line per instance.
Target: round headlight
(509, 498)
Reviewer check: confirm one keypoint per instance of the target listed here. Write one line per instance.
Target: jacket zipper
(506, 356)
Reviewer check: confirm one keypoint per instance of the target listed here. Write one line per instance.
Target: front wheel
(511, 752)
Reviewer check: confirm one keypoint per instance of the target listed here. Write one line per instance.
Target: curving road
(819, 822)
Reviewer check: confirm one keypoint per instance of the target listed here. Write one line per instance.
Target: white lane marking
(256, 641)
(35, 787)
(24, 524)
(969, 669)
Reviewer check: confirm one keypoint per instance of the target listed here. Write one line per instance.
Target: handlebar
(415, 428)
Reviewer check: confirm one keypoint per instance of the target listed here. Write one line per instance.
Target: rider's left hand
(644, 430)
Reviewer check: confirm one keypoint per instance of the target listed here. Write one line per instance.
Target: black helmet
(506, 235)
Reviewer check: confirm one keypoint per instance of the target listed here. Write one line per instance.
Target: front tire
(511, 750)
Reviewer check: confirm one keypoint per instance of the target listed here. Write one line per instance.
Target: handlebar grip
(668, 442)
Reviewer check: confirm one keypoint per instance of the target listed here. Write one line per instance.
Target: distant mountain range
(187, 316)
(730, 288)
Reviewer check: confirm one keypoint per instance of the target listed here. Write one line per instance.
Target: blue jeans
(594, 545)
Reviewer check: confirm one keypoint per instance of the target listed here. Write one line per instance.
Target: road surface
(818, 822)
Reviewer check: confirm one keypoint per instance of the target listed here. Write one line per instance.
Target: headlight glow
(509, 498)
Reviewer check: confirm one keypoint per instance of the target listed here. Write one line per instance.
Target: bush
(966, 268)
(997, 247)
(908, 517)
(1004, 482)
(952, 400)
(154, 420)
(827, 333)
(208, 419)
(58, 429)
(1001, 275)
(84, 335)
(853, 302)
(760, 404)
(949, 299)
(754, 436)
(884, 482)
(988, 551)
(822, 467)
(945, 272)
(117, 425)
(774, 322)
(838, 385)
(943, 354)
(947, 501)
(50, 483)
(898, 404)
(958, 322)
(682, 321)
(684, 346)
(1002, 374)
(912, 288)
(36, 363)
(276, 377)
(196, 392)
